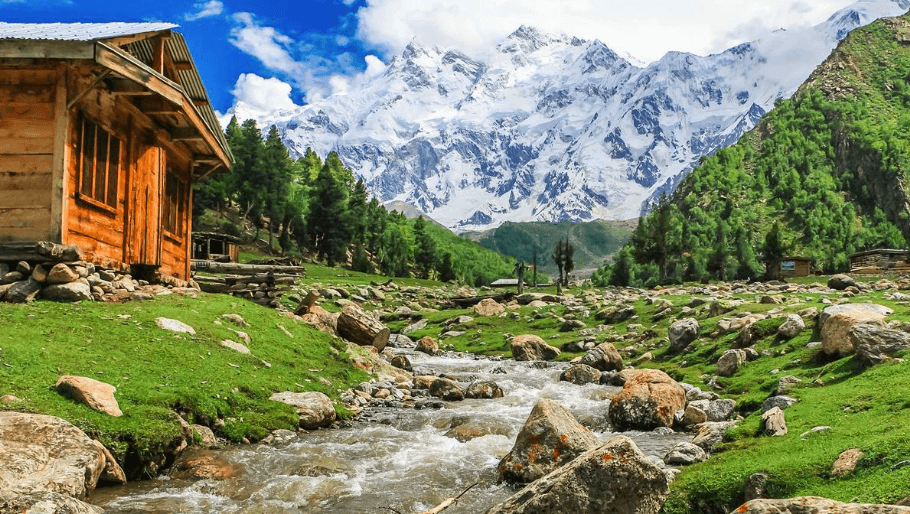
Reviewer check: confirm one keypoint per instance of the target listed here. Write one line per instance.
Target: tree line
(310, 206)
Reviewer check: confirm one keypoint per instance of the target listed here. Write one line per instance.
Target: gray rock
(401, 362)
(773, 422)
(174, 325)
(841, 282)
(615, 478)
(716, 410)
(754, 486)
(446, 389)
(604, 357)
(69, 292)
(45, 502)
(649, 399)
(730, 361)
(685, 454)
(580, 374)
(683, 332)
(550, 437)
(785, 384)
(484, 389)
(710, 434)
(400, 341)
(693, 416)
(414, 327)
(12, 277)
(791, 326)
(237, 347)
(530, 347)
(22, 291)
(777, 401)
(875, 344)
(616, 314)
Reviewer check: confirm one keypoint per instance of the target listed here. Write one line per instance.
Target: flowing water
(396, 460)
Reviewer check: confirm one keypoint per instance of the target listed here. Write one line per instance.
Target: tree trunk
(359, 327)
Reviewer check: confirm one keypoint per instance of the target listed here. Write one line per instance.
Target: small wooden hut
(211, 246)
(789, 267)
(879, 260)
(104, 127)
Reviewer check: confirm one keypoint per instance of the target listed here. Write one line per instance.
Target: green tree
(275, 188)
(446, 270)
(425, 248)
(621, 270)
(328, 210)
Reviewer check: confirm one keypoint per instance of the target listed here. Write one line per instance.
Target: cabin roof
(77, 31)
(131, 45)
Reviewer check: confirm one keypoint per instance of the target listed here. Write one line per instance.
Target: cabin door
(144, 222)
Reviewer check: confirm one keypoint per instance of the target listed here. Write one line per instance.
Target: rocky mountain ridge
(553, 128)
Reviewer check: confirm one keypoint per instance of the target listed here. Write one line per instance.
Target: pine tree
(356, 219)
(425, 248)
(328, 209)
(568, 261)
(446, 270)
(651, 241)
(249, 171)
(277, 177)
(559, 256)
(621, 271)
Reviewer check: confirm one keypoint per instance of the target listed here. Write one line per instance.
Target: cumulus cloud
(645, 30)
(263, 93)
(205, 10)
(266, 44)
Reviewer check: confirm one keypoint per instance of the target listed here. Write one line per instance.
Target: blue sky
(286, 52)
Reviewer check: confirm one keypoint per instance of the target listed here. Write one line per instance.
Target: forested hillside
(823, 175)
(311, 207)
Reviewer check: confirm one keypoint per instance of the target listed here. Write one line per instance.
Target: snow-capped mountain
(553, 127)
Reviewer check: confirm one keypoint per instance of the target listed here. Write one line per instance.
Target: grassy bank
(157, 372)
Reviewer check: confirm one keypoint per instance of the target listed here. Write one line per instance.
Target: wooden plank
(25, 218)
(135, 70)
(19, 145)
(15, 76)
(25, 181)
(25, 163)
(60, 159)
(26, 128)
(26, 198)
(27, 93)
(27, 111)
(31, 49)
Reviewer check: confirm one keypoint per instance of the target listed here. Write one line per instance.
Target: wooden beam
(132, 38)
(158, 55)
(183, 65)
(188, 134)
(128, 88)
(31, 49)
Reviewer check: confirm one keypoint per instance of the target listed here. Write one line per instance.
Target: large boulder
(616, 314)
(484, 389)
(549, 438)
(614, 478)
(97, 395)
(730, 361)
(22, 291)
(815, 505)
(649, 399)
(446, 389)
(196, 464)
(838, 322)
(44, 453)
(69, 292)
(683, 332)
(875, 344)
(603, 357)
(61, 274)
(428, 345)
(45, 502)
(315, 408)
(715, 410)
(489, 307)
(529, 347)
(684, 454)
(841, 282)
(710, 433)
(792, 325)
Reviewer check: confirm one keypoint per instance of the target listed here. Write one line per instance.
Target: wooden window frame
(99, 190)
(173, 205)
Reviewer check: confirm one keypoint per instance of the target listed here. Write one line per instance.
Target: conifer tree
(328, 210)
(425, 248)
(446, 269)
(277, 177)
(621, 271)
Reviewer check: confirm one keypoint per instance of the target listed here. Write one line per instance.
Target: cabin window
(173, 203)
(99, 163)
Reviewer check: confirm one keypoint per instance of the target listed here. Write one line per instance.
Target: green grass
(157, 372)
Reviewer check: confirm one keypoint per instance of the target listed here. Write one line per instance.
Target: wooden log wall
(28, 99)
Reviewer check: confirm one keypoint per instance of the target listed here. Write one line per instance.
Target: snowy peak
(553, 128)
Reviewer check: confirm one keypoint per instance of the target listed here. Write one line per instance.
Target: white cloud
(266, 44)
(645, 30)
(205, 10)
(254, 95)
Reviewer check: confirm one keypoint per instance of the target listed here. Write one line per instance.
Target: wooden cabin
(879, 260)
(104, 127)
(211, 246)
(789, 267)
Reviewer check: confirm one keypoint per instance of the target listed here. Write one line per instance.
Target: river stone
(464, 429)
(603, 357)
(206, 436)
(615, 478)
(875, 344)
(112, 473)
(195, 464)
(489, 307)
(401, 362)
(716, 410)
(428, 346)
(97, 395)
(649, 399)
(580, 374)
(174, 325)
(549, 438)
(315, 408)
(22, 291)
(710, 434)
(61, 274)
(446, 389)
(400, 341)
(685, 454)
(45, 453)
(530, 347)
(815, 505)
(730, 361)
(70, 292)
(693, 416)
(683, 332)
(791, 326)
(485, 390)
(45, 502)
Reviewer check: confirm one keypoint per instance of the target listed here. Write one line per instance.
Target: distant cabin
(104, 128)
(789, 267)
(506, 282)
(876, 261)
(211, 246)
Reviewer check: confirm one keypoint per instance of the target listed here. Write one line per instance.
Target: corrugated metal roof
(77, 31)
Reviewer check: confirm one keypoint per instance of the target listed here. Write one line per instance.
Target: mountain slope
(553, 127)
(831, 167)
